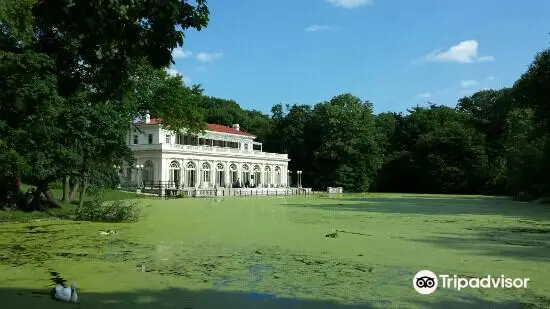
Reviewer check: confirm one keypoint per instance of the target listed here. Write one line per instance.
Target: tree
(82, 58)
(29, 111)
(342, 134)
(523, 153)
(487, 111)
(532, 91)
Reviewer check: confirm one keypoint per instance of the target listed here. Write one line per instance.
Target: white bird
(109, 232)
(65, 294)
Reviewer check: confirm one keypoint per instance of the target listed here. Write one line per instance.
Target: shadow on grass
(177, 298)
(437, 206)
(523, 243)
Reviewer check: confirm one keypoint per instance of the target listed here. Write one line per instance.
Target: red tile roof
(223, 129)
(209, 127)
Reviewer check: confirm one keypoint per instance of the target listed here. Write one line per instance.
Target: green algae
(206, 253)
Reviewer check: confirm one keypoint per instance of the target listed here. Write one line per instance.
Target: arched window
(220, 175)
(257, 175)
(190, 174)
(277, 175)
(174, 174)
(233, 175)
(246, 175)
(205, 173)
(267, 175)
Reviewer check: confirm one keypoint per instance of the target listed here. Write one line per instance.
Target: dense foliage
(73, 75)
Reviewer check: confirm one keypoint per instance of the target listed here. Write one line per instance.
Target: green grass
(21, 216)
(110, 195)
(212, 253)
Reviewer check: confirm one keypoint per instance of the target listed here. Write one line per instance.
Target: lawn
(269, 252)
(21, 216)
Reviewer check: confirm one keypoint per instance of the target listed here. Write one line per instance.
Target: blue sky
(394, 53)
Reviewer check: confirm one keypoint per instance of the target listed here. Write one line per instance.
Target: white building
(221, 157)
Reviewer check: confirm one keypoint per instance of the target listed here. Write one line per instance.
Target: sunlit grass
(278, 246)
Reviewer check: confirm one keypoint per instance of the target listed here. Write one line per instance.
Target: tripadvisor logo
(426, 282)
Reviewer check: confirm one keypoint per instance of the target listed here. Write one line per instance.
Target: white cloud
(180, 53)
(425, 95)
(468, 83)
(350, 4)
(315, 28)
(463, 52)
(173, 72)
(490, 78)
(208, 57)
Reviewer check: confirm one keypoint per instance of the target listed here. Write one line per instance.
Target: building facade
(221, 157)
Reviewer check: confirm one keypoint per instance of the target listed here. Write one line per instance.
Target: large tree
(67, 58)
(343, 137)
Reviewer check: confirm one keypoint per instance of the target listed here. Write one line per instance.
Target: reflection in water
(256, 275)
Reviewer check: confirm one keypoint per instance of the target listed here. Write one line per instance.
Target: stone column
(165, 171)
(239, 173)
(182, 173)
(197, 174)
(213, 173)
(251, 172)
(261, 180)
(226, 174)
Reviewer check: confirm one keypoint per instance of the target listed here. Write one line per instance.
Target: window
(150, 138)
(205, 172)
(168, 139)
(245, 146)
(135, 139)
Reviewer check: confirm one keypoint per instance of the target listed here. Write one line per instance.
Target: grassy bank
(21, 216)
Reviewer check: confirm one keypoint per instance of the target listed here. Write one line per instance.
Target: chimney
(237, 127)
(147, 117)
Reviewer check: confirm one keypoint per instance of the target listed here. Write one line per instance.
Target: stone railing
(209, 149)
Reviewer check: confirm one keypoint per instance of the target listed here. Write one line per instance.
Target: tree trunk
(43, 188)
(83, 190)
(66, 189)
(74, 184)
(35, 201)
(51, 199)
(9, 192)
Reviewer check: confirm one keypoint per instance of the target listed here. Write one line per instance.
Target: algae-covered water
(274, 253)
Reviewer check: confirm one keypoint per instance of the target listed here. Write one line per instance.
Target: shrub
(523, 196)
(111, 211)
